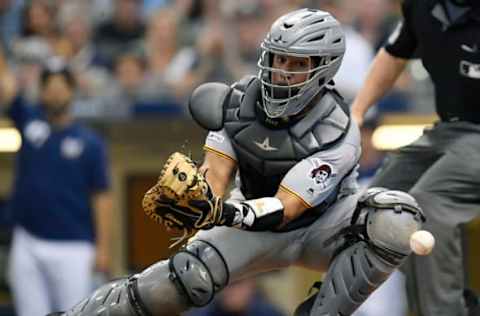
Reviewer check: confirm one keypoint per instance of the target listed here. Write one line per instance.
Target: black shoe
(56, 314)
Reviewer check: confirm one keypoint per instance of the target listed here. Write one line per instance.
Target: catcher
(287, 137)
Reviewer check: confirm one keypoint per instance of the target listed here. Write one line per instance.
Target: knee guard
(391, 218)
(191, 277)
(199, 271)
(374, 245)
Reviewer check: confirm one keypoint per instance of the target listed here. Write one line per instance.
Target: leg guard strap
(136, 302)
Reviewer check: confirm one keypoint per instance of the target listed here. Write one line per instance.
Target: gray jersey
(313, 158)
(313, 178)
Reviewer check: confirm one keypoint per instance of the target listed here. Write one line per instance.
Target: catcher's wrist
(233, 214)
(256, 215)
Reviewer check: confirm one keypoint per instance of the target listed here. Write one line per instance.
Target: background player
(61, 204)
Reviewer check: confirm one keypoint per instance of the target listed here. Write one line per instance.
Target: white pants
(47, 276)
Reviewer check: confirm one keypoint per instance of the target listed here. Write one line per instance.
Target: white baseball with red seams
(422, 242)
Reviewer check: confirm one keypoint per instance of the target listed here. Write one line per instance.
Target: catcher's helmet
(301, 33)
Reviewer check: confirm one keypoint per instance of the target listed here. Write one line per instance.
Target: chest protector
(266, 148)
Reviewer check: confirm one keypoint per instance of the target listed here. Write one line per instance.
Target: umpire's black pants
(442, 170)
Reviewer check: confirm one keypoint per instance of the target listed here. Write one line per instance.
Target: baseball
(422, 242)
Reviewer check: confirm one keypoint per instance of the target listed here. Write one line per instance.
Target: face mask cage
(285, 99)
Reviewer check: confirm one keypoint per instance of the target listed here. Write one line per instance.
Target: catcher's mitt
(182, 198)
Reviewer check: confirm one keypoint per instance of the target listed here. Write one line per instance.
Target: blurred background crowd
(140, 59)
(132, 57)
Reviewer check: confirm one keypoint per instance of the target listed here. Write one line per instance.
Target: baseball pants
(47, 276)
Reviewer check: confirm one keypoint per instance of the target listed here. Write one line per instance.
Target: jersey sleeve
(219, 143)
(403, 41)
(313, 179)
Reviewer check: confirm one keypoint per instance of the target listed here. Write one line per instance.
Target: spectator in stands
(370, 15)
(123, 32)
(358, 54)
(211, 64)
(76, 26)
(130, 73)
(129, 84)
(35, 44)
(191, 19)
(150, 6)
(39, 20)
(10, 17)
(244, 28)
(169, 64)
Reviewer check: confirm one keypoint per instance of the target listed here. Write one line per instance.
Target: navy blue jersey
(57, 172)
